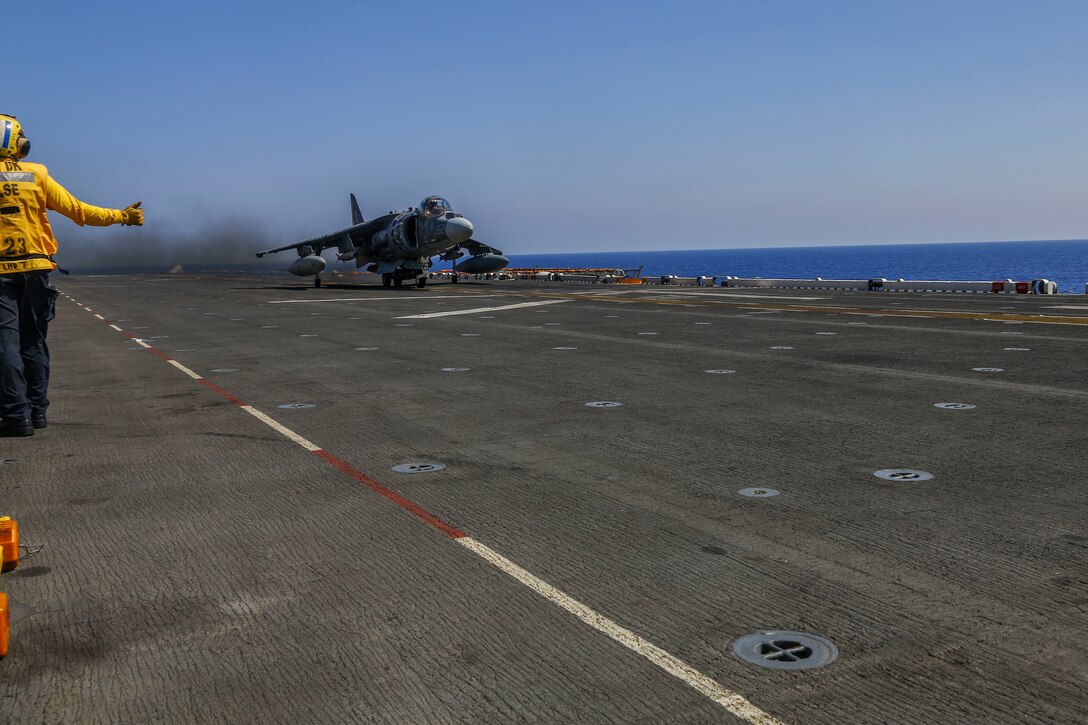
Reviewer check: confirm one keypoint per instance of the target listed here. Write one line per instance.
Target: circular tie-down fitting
(604, 404)
(564, 348)
(780, 347)
(909, 475)
(954, 406)
(224, 370)
(1019, 349)
(758, 492)
(418, 467)
(10, 461)
(989, 370)
(783, 650)
(454, 370)
(296, 406)
(721, 372)
(366, 348)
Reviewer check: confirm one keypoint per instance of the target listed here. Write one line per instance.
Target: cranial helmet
(13, 142)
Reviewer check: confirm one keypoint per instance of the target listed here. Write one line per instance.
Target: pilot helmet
(13, 142)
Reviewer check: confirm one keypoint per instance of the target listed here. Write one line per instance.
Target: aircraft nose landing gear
(317, 280)
(421, 282)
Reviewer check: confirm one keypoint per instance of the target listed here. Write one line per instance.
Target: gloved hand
(132, 215)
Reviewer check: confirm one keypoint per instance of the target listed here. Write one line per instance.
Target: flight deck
(258, 501)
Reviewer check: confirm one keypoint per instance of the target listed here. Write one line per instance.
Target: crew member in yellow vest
(27, 299)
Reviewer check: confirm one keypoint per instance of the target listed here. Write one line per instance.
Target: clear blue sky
(563, 126)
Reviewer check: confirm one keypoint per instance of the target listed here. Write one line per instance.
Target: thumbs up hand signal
(132, 215)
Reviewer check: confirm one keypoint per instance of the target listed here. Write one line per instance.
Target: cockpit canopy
(434, 206)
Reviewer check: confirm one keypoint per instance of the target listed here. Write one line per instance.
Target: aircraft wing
(359, 234)
(474, 248)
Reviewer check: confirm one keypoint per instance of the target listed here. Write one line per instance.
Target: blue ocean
(1064, 262)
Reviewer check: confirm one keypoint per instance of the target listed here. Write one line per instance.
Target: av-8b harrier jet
(399, 245)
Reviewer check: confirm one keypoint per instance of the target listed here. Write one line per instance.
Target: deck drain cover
(308, 335)
(296, 406)
(720, 372)
(781, 347)
(185, 349)
(702, 323)
(268, 327)
(551, 323)
(418, 467)
(487, 317)
(953, 406)
(989, 370)
(470, 334)
(10, 461)
(781, 650)
(224, 370)
(827, 333)
(366, 348)
(647, 333)
(758, 492)
(604, 404)
(454, 370)
(564, 348)
(1019, 349)
(902, 474)
(405, 324)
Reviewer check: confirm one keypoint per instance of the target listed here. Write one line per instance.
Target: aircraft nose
(458, 230)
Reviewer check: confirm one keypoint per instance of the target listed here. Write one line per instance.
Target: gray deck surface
(199, 566)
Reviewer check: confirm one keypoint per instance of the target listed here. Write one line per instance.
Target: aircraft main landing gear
(387, 279)
(397, 281)
(453, 278)
(421, 282)
(317, 280)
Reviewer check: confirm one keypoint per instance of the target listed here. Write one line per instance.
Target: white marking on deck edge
(141, 343)
(374, 299)
(283, 430)
(116, 328)
(99, 316)
(482, 309)
(185, 370)
(734, 702)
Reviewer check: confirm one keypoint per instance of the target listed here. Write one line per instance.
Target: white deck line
(281, 429)
(184, 369)
(476, 310)
(732, 701)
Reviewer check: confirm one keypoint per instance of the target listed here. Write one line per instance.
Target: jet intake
(307, 266)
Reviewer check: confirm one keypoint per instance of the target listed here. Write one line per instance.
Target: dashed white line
(732, 701)
(285, 431)
(99, 316)
(185, 370)
(481, 309)
(141, 343)
(116, 328)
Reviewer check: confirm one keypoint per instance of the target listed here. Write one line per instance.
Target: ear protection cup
(22, 147)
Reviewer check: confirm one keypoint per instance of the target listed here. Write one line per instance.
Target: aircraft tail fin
(356, 215)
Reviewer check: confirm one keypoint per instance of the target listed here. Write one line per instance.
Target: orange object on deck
(9, 543)
(5, 624)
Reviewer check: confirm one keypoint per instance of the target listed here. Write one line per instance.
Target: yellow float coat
(26, 237)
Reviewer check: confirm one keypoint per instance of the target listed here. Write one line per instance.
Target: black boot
(39, 421)
(15, 428)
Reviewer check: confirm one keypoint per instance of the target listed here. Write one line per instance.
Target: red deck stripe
(393, 496)
(344, 467)
(229, 396)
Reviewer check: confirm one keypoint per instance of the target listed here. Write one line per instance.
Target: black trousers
(27, 303)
